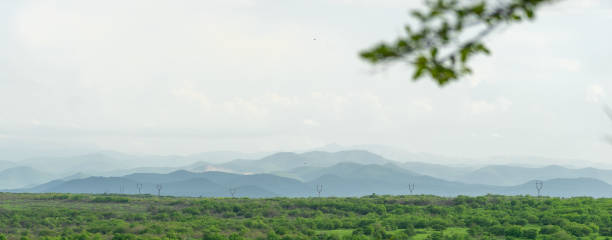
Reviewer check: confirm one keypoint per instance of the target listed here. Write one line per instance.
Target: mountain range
(343, 173)
(288, 160)
(343, 179)
(22, 176)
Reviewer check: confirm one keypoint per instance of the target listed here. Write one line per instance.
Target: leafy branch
(440, 29)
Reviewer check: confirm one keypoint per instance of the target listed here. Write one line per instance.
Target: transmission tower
(411, 187)
(319, 189)
(159, 188)
(139, 187)
(233, 191)
(539, 186)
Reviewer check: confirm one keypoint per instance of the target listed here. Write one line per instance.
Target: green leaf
(465, 51)
(528, 12)
(480, 8)
(434, 52)
(418, 73)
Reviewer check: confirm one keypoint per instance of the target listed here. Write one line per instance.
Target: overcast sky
(179, 77)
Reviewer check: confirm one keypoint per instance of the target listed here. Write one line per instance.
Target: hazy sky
(178, 77)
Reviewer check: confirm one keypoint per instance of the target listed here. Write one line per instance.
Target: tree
(438, 45)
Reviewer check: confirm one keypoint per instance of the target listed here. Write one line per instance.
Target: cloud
(577, 7)
(479, 107)
(424, 104)
(570, 65)
(496, 135)
(192, 95)
(180, 76)
(594, 93)
(501, 104)
(311, 123)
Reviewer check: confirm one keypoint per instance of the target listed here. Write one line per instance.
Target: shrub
(513, 231)
(549, 229)
(530, 233)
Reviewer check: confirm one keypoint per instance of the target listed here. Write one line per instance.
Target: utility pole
(139, 187)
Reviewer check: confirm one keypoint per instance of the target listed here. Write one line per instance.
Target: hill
(286, 161)
(6, 164)
(451, 173)
(19, 177)
(563, 187)
(343, 179)
(512, 175)
(179, 183)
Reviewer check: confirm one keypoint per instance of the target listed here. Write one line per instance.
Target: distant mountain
(348, 179)
(45, 187)
(206, 188)
(78, 175)
(510, 175)
(17, 149)
(563, 187)
(451, 173)
(6, 164)
(19, 177)
(218, 157)
(398, 154)
(93, 185)
(176, 176)
(348, 170)
(110, 163)
(189, 187)
(205, 167)
(343, 179)
(286, 160)
(123, 172)
(107, 163)
(403, 155)
(96, 163)
(180, 183)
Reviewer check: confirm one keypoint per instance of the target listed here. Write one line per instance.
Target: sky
(187, 76)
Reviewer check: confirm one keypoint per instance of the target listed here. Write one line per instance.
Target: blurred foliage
(438, 45)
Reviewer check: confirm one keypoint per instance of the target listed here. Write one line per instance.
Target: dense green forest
(73, 216)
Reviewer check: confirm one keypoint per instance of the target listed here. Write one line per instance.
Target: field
(72, 216)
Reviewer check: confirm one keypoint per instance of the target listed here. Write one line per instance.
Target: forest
(114, 216)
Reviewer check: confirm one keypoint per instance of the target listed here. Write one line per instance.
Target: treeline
(63, 216)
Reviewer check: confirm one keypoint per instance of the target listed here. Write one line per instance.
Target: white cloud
(496, 135)
(310, 122)
(424, 104)
(594, 93)
(501, 104)
(570, 65)
(575, 7)
(478, 107)
(504, 103)
(190, 94)
(35, 122)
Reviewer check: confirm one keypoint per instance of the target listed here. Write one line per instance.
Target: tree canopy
(448, 33)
